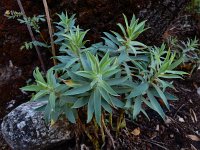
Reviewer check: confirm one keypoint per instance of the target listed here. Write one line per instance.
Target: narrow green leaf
(85, 74)
(170, 96)
(128, 103)
(81, 102)
(110, 72)
(155, 104)
(128, 71)
(136, 43)
(31, 88)
(70, 115)
(50, 78)
(38, 76)
(109, 43)
(122, 29)
(176, 63)
(117, 81)
(52, 100)
(90, 108)
(41, 108)
(40, 94)
(55, 114)
(112, 38)
(78, 90)
(139, 90)
(97, 106)
(107, 88)
(67, 100)
(169, 76)
(104, 61)
(105, 95)
(137, 107)
(123, 57)
(84, 62)
(116, 102)
(47, 113)
(162, 96)
(106, 106)
(71, 62)
(176, 72)
(144, 112)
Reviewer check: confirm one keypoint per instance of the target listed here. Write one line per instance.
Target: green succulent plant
(125, 44)
(119, 76)
(64, 26)
(50, 91)
(153, 83)
(94, 86)
(187, 51)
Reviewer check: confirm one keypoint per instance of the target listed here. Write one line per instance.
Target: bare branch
(50, 30)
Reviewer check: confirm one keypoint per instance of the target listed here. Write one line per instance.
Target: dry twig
(50, 30)
(108, 133)
(159, 144)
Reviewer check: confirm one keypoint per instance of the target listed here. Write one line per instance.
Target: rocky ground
(165, 18)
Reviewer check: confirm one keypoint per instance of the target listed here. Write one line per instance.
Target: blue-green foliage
(187, 50)
(119, 73)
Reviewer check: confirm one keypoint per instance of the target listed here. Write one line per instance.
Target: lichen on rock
(25, 128)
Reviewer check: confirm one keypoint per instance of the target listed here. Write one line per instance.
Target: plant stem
(96, 127)
(50, 30)
(32, 36)
(41, 35)
(110, 120)
(108, 132)
(92, 139)
(119, 122)
(102, 131)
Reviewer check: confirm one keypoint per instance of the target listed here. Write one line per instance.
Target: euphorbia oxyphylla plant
(121, 74)
(152, 83)
(95, 86)
(187, 51)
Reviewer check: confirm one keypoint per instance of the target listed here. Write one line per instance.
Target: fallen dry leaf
(157, 127)
(171, 135)
(136, 131)
(180, 119)
(193, 137)
(193, 116)
(190, 101)
(168, 120)
(193, 148)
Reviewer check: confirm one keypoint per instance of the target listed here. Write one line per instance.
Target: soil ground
(182, 128)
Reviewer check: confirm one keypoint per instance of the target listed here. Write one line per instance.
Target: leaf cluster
(188, 50)
(120, 73)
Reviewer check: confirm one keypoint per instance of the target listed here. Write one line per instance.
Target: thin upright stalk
(32, 36)
(119, 122)
(108, 132)
(94, 140)
(50, 30)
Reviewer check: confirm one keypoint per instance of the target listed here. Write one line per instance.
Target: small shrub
(120, 75)
(188, 51)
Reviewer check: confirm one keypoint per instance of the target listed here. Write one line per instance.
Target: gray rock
(25, 128)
